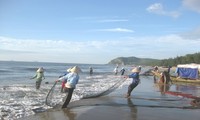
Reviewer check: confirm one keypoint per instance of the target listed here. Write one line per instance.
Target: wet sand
(145, 104)
(116, 108)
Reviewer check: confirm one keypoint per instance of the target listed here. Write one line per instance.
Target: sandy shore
(115, 109)
(145, 104)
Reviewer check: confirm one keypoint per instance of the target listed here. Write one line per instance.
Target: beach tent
(189, 71)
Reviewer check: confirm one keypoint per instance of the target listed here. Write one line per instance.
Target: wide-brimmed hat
(40, 69)
(75, 69)
(135, 70)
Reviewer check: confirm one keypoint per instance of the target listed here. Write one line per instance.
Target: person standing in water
(115, 70)
(91, 70)
(39, 77)
(122, 71)
(72, 79)
(164, 82)
(135, 80)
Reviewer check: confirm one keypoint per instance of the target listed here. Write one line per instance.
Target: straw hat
(135, 70)
(75, 69)
(40, 69)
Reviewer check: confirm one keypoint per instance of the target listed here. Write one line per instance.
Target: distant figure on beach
(164, 81)
(91, 70)
(156, 68)
(135, 81)
(168, 70)
(64, 81)
(39, 77)
(115, 70)
(122, 71)
(72, 79)
(165, 78)
(139, 68)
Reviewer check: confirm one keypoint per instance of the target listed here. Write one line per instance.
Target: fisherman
(64, 81)
(135, 80)
(163, 83)
(115, 70)
(156, 68)
(91, 70)
(122, 71)
(165, 78)
(168, 69)
(72, 79)
(39, 77)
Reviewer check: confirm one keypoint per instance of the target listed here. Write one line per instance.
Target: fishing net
(49, 98)
(107, 91)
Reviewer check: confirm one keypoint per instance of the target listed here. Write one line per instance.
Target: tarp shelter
(189, 71)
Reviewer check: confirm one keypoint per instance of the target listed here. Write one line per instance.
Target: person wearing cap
(135, 80)
(39, 77)
(72, 79)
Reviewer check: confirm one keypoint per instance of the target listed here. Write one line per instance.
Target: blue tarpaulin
(191, 73)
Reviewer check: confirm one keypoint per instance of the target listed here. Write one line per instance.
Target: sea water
(19, 97)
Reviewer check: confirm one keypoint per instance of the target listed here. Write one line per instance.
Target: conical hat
(75, 69)
(40, 69)
(135, 70)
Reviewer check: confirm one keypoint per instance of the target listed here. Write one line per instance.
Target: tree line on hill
(187, 59)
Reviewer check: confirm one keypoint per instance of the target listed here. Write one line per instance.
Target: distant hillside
(134, 61)
(188, 58)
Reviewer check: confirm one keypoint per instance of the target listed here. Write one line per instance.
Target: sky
(97, 31)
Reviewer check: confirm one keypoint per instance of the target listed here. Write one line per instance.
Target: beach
(144, 104)
(100, 96)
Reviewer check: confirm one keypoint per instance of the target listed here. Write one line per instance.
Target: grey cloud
(192, 35)
(192, 4)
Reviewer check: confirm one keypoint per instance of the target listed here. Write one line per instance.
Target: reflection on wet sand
(185, 90)
(145, 104)
(59, 114)
(133, 109)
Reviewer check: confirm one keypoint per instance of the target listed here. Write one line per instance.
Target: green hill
(188, 58)
(134, 61)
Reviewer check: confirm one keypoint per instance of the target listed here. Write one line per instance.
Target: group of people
(122, 71)
(69, 81)
(71, 78)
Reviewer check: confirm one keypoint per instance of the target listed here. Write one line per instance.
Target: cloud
(116, 30)
(101, 51)
(194, 34)
(192, 4)
(157, 8)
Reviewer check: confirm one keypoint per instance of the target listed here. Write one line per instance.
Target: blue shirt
(135, 77)
(72, 79)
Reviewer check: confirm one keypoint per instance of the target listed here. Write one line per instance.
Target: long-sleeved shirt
(72, 79)
(135, 77)
(39, 76)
